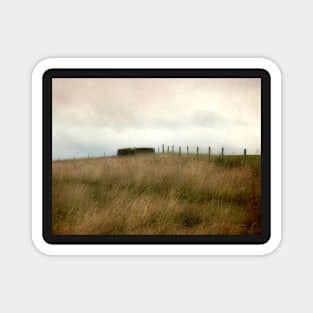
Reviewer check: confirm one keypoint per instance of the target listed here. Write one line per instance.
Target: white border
(133, 249)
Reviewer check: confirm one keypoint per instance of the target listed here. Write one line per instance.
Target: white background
(33, 30)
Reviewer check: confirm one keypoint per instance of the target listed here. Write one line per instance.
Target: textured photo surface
(156, 156)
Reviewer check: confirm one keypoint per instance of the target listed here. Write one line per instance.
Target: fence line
(210, 152)
(197, 152)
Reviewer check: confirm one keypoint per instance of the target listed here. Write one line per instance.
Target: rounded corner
(41, 245)
(271, 67)
(42, 66)
(272, 245)
(266, 238)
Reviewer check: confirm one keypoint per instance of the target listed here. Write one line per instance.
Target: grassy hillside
(156, 194)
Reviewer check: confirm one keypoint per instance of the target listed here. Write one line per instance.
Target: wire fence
(198, 151)
(222, 151)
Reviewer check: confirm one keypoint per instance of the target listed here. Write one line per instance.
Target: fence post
(187, 150)
(168, 149)
(163, 148)
(179, 150)
(173, 149)
(222, 152)
(209, 154)
(197, 152)
(158, 150)
(244, 155)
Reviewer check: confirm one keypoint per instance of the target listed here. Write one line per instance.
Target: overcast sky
(99, 115)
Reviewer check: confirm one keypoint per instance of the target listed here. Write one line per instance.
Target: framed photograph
(150, 156)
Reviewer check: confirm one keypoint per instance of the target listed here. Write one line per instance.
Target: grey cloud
(96, 116)
(208, 119)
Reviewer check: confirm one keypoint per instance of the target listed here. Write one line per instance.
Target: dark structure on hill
(133, 151)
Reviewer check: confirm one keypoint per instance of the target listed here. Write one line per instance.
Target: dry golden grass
(156, 194)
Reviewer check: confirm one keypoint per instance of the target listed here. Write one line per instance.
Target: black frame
(157, 73)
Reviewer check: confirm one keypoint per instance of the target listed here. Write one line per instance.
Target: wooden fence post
(244, 155)
(222, 152)
(197, 152)
(163, 148)
(172, 149)
(179, 150)
(158, 150)
(209, 154)
(187, 150)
